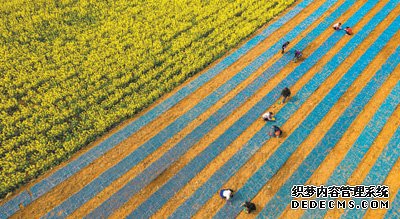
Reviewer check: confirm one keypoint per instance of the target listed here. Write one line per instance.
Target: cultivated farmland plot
(145, 109)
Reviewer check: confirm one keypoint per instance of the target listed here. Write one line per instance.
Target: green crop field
(70, 70)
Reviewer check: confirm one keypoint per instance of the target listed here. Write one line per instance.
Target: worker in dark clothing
(249, 207)
(284, 46)
(285, 94)
(275, 132)
(297, 55)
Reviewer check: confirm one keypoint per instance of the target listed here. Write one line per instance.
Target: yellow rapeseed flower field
(70, 70)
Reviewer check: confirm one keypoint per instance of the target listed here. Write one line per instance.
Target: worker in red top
(348, 30)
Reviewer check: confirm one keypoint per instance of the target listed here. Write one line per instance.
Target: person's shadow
(283, 135)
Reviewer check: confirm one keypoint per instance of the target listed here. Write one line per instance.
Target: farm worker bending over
(275, 132)
(285, 94)
(268, 116)
(348, 30)
(226, 194)
(284, 46)
(249, 207)
(337, 26)
(297, 55)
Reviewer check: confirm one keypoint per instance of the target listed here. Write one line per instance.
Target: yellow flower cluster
(70, 70)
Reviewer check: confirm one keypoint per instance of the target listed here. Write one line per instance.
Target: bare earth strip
(254, 163)
(394, 185)
(333, 159)
(305, 148)
(375, 150)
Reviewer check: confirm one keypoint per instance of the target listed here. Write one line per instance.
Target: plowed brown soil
(327, 167)
(338, 153)
(367, 162)
(262, 155)
(394, 185)
(305, 148)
